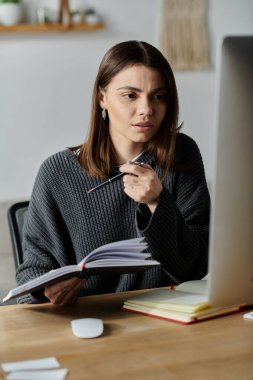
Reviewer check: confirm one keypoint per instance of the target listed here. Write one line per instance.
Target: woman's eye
(160, 97)
(129, 95)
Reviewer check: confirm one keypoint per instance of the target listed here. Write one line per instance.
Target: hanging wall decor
(183, 34)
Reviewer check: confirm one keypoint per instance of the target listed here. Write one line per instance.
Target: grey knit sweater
(64, 223)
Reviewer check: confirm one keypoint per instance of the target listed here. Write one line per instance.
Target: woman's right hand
(64, 292)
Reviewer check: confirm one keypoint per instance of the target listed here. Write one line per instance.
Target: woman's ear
(101, 98)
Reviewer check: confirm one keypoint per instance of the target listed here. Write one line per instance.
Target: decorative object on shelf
(91, 16)
(11, 12)
(183, 34)
(65, 14)
(76, 16)
(42, 16)
(77, 12)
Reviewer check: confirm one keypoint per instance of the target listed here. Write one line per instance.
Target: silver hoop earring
(104, 113)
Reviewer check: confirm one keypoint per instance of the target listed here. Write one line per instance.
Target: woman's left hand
(64, 292)
(142, 184)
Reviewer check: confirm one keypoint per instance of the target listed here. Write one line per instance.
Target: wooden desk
(132, 346)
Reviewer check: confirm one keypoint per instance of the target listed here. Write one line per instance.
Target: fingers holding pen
(134, 168)
(142, 184)
(135, 174)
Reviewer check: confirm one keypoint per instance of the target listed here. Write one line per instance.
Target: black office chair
(16, 216)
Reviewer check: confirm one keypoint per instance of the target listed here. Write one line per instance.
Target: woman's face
(135, 100)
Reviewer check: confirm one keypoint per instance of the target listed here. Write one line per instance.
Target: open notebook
(124, 256)
(230, 283)
(188, 303)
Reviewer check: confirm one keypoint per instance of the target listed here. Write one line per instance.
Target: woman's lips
(142, 127)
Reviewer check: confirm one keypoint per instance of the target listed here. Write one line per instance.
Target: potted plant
(11, 12)
(91, 16)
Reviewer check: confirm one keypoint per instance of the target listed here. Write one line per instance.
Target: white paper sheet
(45, 363)
(55, 374)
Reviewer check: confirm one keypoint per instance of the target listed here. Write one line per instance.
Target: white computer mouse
(87, 327)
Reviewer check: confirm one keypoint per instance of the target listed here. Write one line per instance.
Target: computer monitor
(231, 236)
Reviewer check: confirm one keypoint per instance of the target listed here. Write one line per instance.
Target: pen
(113, 178)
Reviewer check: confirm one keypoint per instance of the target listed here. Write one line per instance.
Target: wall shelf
(51, 28)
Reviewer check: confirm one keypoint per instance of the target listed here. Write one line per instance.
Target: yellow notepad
(188, 303)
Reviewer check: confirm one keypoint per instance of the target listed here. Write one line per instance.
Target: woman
(134, 114)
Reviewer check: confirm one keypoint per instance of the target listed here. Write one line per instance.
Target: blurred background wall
(46, 82)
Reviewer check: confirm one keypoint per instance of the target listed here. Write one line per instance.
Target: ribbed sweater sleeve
(45, 237)
(177, 232)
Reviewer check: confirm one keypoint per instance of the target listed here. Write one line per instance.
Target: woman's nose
(145, 107)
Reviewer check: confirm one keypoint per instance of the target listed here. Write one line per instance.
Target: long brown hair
(97, 154)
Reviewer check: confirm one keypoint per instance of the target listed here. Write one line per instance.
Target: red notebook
(186, 304)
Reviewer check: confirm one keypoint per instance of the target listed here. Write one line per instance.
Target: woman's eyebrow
(160, 89)
(131, 88)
